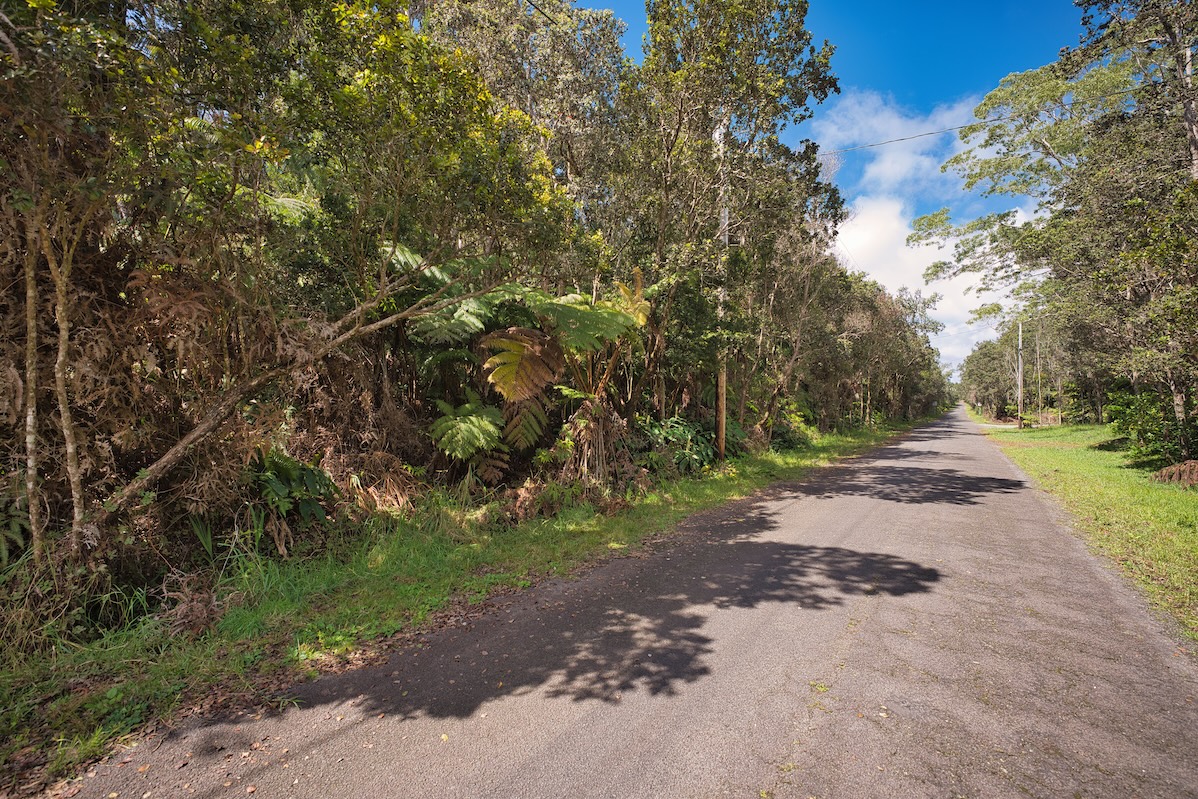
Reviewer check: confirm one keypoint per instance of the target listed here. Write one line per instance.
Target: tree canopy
(1106, 141)
(280, 262)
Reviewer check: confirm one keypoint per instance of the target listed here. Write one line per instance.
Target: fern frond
(491, 466)
(583, 326)
(526, 362)
(453, 325)
(633, 300)
(526, 421)
(400, 257)
(465, 431)
(447, 356)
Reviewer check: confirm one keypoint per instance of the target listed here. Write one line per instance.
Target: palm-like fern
(468, 430)
(578, 335)
(526, 362)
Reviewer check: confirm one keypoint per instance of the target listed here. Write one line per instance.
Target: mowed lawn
(1150, 529)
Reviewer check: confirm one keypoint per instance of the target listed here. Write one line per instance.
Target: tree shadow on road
(633, 625)
(907, 484)
(624, 628)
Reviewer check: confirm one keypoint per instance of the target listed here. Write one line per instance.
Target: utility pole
(1039, 383)
(721, 411)
(1019, 373)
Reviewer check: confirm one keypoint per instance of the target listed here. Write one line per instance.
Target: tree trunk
(60, 272)
(1179, 411)
(721, 419)
(743, 401)
(1183, 59)
(32, 496)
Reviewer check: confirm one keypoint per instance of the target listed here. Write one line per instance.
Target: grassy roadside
(1150, 529)
(284, 621)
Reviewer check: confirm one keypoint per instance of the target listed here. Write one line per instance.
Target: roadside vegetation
(370, 587)
(1100, 320)
(316, 315)
(1148, 527)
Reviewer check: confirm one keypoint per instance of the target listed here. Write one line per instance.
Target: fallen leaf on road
(444, 737)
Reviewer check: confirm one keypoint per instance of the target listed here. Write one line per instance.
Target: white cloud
(910, 164)
(873, 241)
(892, 184)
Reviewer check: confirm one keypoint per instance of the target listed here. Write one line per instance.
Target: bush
(790, 433)
(678, 442)
(1147, 420)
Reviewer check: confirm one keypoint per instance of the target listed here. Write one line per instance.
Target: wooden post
(721, 403)
(1019, 373)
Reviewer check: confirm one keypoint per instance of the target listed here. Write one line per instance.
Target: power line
(909, 138)
(543, 14)
(982, 122)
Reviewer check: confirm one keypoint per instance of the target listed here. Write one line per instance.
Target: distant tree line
(1105, 274)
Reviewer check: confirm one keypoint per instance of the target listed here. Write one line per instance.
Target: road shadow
(902, 452)
(893, 482)
(630, 629)
(636, 624)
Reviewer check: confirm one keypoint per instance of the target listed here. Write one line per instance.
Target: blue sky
(908, 68)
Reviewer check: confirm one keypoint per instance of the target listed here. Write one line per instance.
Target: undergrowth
(283, 620)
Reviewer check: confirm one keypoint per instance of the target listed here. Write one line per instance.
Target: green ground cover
(1150, 529)
(281, 621)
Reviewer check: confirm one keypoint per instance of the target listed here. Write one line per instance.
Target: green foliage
(790, 433)
(285, 485)
(526, 422)
(202, 528)
(579, 324)
(469, 430)
(454, 324)
(689, 447)
(14, 527)
(1147, 420)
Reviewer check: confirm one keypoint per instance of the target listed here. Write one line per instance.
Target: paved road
(917, 622)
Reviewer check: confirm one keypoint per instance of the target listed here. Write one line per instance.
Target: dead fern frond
(527, 362)
(526, 421)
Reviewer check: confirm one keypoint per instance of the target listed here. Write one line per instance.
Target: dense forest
(1104, 274)
(275, 267)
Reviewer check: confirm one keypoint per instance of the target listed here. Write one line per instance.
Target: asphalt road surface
(915, 622)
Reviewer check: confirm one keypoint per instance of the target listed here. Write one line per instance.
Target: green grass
(1150, 529)
(283, 620)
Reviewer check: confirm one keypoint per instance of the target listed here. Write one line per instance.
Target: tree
(1096, 139)
(217, 212)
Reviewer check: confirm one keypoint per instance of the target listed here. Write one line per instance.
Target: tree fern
(453, 325)
(526, 421)
(468, 430)
(526, 362)
(582, 325)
